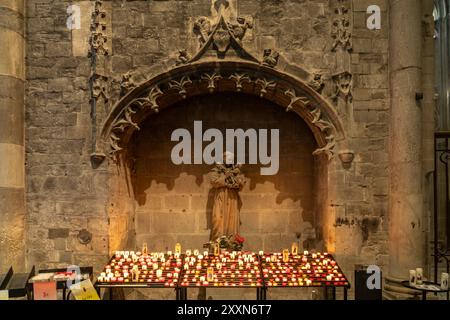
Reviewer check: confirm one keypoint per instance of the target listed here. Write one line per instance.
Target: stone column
(406, 216)
(12, 155)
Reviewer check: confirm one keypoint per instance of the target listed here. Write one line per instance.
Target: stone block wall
(66, 195)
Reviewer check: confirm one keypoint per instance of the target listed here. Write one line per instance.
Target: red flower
(239, 239)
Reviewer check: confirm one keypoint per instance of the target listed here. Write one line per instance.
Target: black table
(425, 290)
(4, 278)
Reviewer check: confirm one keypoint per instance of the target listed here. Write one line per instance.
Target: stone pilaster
(406, 214)
(12, 157)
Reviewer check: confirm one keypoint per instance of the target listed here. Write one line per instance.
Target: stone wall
(66, 195)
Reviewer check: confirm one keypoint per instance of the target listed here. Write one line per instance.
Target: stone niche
(168, 203)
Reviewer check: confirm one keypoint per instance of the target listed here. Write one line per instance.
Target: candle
(419, 276)
(155, 266)
(159, 273)
(196, 252)
(412, 277)
(186, 266)
(144, 249)
(261, 253)
(216, 249)
(178, 248)
(314, 255)
(308, 282)
(294, 248)
(329, 277)
(444, 281)
(188, 253)
(305, 253)
(285, 255)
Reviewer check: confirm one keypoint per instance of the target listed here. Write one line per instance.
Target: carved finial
(270, 58)
(218, 4)
(343, 84)
(183, 57)
(317, 82)
(203, 29)
(126, 83)
(239, 28)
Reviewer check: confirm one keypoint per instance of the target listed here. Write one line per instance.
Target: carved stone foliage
(125, 118)
(239, 78)
(267, 86)
(98, 38)
(100, 87)
(270, 58)
(180, 85)
(99, 80)
(294, 99)
(318, 120)
(343, 86)
(212, 79)
(341, 28)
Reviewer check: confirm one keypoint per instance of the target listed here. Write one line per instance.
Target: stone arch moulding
(199, 78)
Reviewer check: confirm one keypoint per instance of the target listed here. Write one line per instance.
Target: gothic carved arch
(199, 78)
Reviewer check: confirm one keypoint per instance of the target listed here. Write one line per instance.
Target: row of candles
(416, 278)
(236, 268)
(223, 269)
(286, 269)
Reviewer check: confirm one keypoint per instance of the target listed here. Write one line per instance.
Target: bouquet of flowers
(232, 243)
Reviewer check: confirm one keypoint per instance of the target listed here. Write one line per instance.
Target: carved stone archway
(200, 78)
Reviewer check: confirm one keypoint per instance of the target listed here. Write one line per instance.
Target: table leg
(110, 293)
(424, 295)
(333, 292)
(64, 292)
(345, 293)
